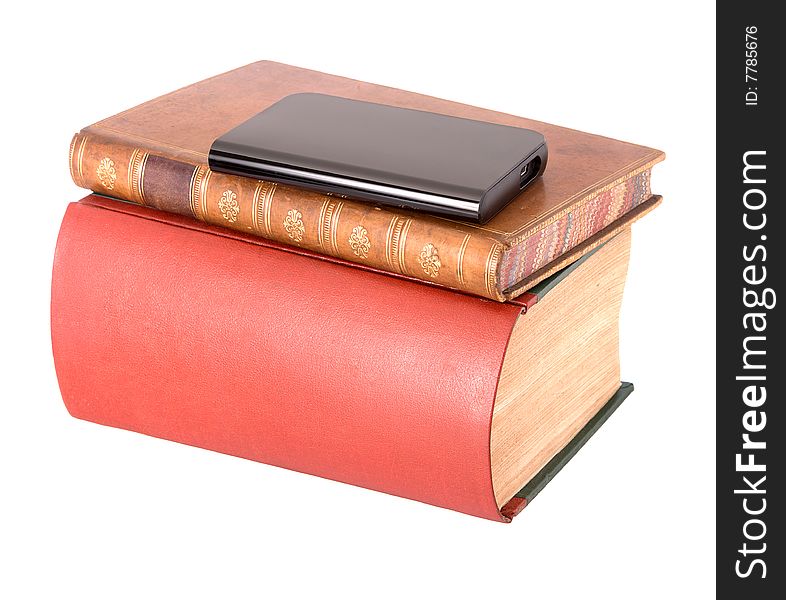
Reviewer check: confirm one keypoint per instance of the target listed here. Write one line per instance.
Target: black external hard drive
(443, 165)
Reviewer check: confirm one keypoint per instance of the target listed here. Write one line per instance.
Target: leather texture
(156, 154)
(241, 347)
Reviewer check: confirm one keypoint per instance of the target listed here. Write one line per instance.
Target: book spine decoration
(568, 228)
(422, 248)
(242, 348)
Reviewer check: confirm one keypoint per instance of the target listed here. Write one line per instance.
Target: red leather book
(231, 342)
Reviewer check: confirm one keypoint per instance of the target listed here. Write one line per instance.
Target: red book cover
(229, 342)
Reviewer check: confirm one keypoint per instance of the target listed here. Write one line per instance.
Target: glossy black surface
(394, 156)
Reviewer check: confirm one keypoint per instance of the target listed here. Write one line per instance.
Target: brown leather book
(156, 155)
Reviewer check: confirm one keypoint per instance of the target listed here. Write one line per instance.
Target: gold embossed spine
(334, 229)
(492, 263)
(136, 170)
(460, 259)
(75, 141)
(385, 239)
(401, 247)
(324, 225)
(197, 192)
(103, 166)
(260, 207)
(80, 154)
(390, 240)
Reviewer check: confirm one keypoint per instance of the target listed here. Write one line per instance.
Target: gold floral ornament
(429, 260)
(106, 172)
(293, 223)
(228, 206)
(359, 242)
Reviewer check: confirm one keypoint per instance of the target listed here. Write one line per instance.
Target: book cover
(233, 343)
(156, 155)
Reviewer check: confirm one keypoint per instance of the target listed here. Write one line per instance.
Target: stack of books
(453, 363)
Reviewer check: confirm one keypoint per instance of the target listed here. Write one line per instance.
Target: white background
(91, 512)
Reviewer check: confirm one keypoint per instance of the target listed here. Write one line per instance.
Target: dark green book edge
(554, 466)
